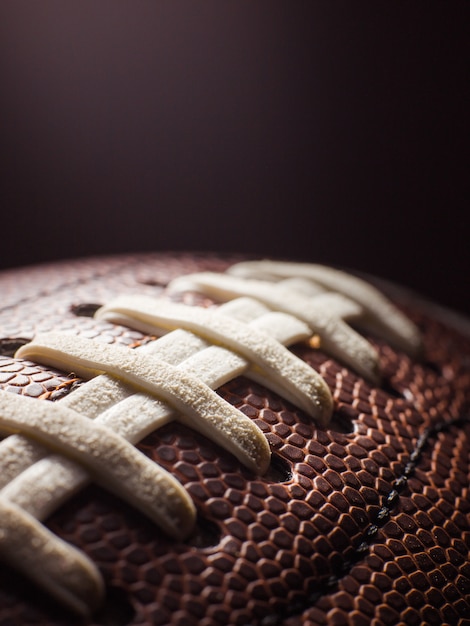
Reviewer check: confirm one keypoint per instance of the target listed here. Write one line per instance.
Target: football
(196, 439)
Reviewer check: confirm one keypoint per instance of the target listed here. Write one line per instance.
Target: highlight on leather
(208, 389)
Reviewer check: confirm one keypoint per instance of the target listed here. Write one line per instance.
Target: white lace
(132, 393)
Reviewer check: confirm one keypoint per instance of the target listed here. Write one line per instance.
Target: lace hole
(85, 309)
(205, 534)
(279, 470)
(117, 609)
(9, 345)
(341, 423)
(389, 389)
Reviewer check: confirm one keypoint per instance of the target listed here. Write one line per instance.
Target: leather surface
(364, 522)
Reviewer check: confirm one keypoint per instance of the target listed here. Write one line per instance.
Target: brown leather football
(190, 439)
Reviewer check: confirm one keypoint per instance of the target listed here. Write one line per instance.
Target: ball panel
(366, 519)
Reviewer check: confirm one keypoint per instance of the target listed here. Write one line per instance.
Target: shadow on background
(324, 131)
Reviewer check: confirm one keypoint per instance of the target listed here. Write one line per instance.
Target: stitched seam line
(389, 502)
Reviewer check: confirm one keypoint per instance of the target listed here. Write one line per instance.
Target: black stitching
(389, 502)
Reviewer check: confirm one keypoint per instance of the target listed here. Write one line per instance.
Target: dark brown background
(327, 131)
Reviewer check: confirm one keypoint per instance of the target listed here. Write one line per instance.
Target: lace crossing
(135, 392)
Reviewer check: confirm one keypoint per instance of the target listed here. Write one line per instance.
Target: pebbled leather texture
(364, 522)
